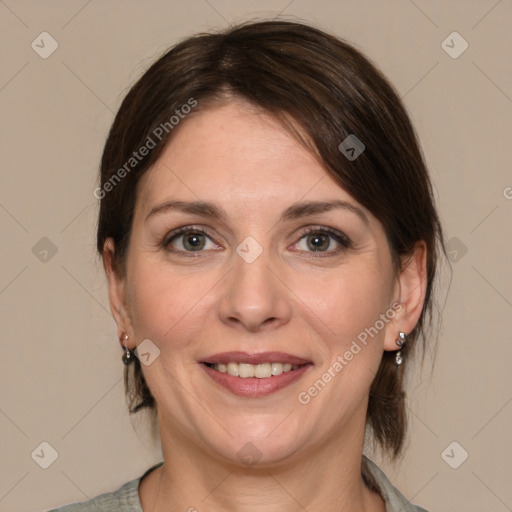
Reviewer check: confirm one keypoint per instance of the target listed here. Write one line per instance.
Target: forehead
(238, 155)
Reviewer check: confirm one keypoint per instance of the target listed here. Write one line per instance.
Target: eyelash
(339, 237)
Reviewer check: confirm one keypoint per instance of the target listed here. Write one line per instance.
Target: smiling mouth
(260, 371)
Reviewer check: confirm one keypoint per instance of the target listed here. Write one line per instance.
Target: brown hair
(294, 72)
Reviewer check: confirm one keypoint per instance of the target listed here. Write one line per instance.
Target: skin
(198, 303)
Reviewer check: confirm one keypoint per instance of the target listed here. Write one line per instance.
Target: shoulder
(395, 500)
(124, 499)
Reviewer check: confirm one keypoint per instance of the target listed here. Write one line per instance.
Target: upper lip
(259, 358)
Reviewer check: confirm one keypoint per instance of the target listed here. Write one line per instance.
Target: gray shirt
(126, 498)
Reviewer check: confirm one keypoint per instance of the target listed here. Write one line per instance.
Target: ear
(410, 289)
(117, 293)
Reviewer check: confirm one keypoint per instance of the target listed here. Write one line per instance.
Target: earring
(127, 357)
(400, 342)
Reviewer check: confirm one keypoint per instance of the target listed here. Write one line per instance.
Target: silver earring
(400, 342)
(127, 357)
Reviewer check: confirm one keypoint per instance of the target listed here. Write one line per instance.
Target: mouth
(255, 375)
(259, 371)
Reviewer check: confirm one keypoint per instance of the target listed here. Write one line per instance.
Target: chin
(253, 449)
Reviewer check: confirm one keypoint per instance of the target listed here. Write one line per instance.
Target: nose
(254, 297)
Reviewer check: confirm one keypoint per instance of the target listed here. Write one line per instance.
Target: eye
(188, 239)
(317, 240)
(323, 240)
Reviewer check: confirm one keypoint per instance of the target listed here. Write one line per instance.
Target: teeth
(232, 369)
(276, 368)
(260, 371)
(246, 370)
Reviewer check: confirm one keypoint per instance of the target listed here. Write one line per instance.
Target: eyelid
(175, 233)
(343, 238)
(340, 237)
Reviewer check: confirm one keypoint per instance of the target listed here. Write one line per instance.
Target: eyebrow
(295, 211)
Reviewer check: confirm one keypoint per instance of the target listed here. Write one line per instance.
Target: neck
(195, 481)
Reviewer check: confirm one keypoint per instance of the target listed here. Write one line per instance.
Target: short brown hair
(292, 71)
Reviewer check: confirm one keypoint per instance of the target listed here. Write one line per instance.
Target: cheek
(164, 304)
(350, 300)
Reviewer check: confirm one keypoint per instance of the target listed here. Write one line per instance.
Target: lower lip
(252, 386)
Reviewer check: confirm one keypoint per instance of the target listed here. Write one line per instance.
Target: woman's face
(253, 280)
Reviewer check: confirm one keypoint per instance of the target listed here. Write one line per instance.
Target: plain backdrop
(61, 372)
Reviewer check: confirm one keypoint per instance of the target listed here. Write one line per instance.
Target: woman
(270, 240)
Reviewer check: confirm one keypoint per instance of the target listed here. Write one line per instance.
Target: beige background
(60, 361)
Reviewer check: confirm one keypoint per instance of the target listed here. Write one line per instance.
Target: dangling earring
(127, 357)
(400, 342)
